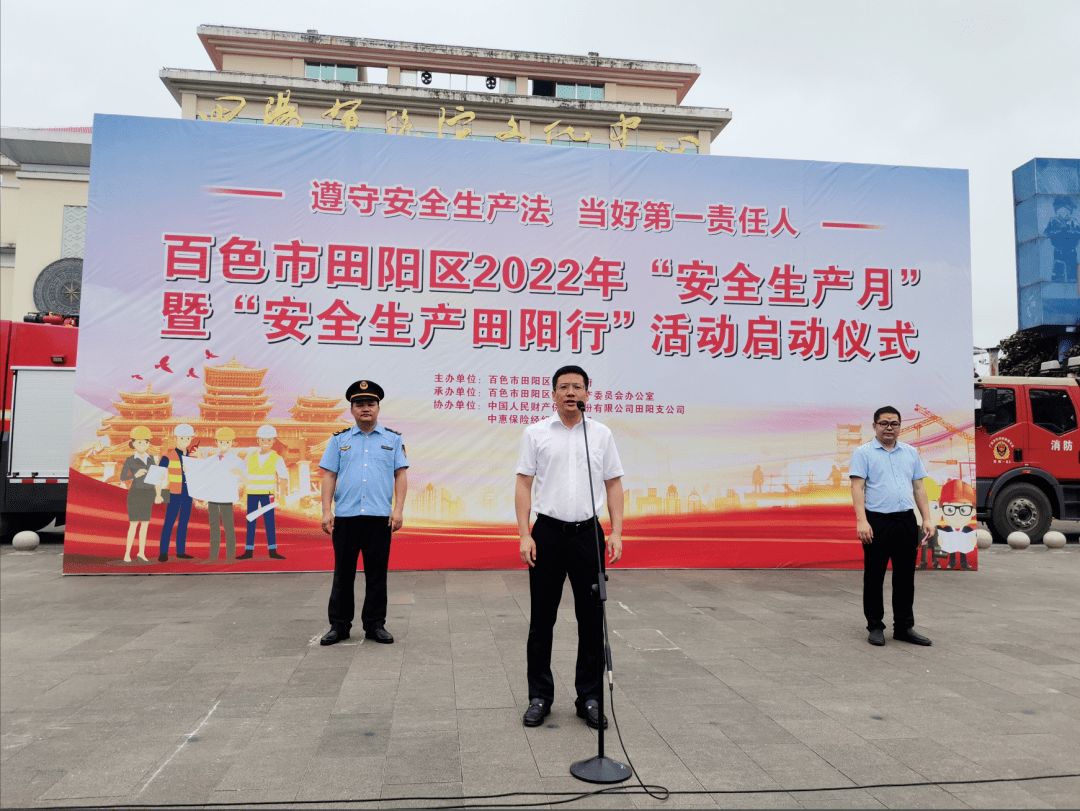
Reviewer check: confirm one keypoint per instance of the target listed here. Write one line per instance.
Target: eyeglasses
(889, 424)
(952, 509)
(570, 387)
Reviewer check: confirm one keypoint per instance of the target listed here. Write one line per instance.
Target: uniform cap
(266, 432)
(227, 434)
(141, 432)
(183, 429)
(364, 389)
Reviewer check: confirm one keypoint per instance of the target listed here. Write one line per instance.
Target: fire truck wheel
(1022, 508)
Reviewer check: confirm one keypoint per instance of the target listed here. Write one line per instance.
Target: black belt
(567, 527)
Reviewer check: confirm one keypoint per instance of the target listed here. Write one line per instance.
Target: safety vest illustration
(176, 472)
(262, 479)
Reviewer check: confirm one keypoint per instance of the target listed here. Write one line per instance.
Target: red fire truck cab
(38, 392)
(1027, 453)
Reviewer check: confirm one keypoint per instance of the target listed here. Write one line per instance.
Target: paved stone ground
(213, 689)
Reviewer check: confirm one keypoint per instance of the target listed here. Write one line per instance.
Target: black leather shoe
(185, 556)
(537, 712)
(380, 635)
(912, 637)
(162, 558)
(246, 555)
(333, 636)
(274, 555)
(591, 713)
(876, 638)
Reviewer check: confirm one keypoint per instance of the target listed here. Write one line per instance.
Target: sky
(984, 86)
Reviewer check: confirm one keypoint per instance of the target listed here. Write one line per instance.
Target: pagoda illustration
(234, 394)
(150, 408)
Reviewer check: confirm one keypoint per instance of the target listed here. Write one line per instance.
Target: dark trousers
(253, 503)
(963, 559)
(178, 512)
(560, 555)
(896, 536)
(354, 535)
(929, 555)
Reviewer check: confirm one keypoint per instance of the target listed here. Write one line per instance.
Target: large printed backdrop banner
(740, 319)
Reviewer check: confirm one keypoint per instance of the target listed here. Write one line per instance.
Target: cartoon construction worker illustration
(179, 509)
(957, 530)
(140, 495)
(225, 474)
(264, 469)
(930, 550)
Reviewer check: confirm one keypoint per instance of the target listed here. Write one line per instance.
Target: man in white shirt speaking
(553, 481)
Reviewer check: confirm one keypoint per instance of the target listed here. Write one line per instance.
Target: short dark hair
(568, 370)
(888, 410)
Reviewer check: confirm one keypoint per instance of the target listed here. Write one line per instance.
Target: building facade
(44, 180)
(278, 78)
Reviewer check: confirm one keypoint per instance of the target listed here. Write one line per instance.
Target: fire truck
(38, 392)
(1027, 453)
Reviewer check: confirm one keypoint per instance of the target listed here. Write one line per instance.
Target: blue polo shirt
(365, 465)
(888, 475)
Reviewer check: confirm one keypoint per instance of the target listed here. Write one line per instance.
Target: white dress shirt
(555, 456)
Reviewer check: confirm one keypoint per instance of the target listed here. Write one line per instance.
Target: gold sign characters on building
(221, 113)
(283, 112)
(463, 117)
(622, 126)
(686, 139)
(347, 111)
(568, 132)
(403, 119)
(513, 132)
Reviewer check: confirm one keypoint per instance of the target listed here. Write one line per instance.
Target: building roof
(312, 45)
(30, 148)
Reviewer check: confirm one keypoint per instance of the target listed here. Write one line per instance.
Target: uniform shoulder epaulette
(342, 431)
(392, 431)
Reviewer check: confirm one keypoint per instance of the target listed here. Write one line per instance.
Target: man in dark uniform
(886, 484)
(363, 496)
(552, 477)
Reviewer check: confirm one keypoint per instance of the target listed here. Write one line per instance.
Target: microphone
(580, 405)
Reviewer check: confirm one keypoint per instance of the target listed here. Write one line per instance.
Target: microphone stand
(599, 769)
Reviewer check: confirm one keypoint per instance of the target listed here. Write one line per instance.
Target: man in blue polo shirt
(886, 484)
(363, 496)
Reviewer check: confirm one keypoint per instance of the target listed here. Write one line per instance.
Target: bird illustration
(210, 355)
(191, 373)
(163, 364)
(137, 377)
